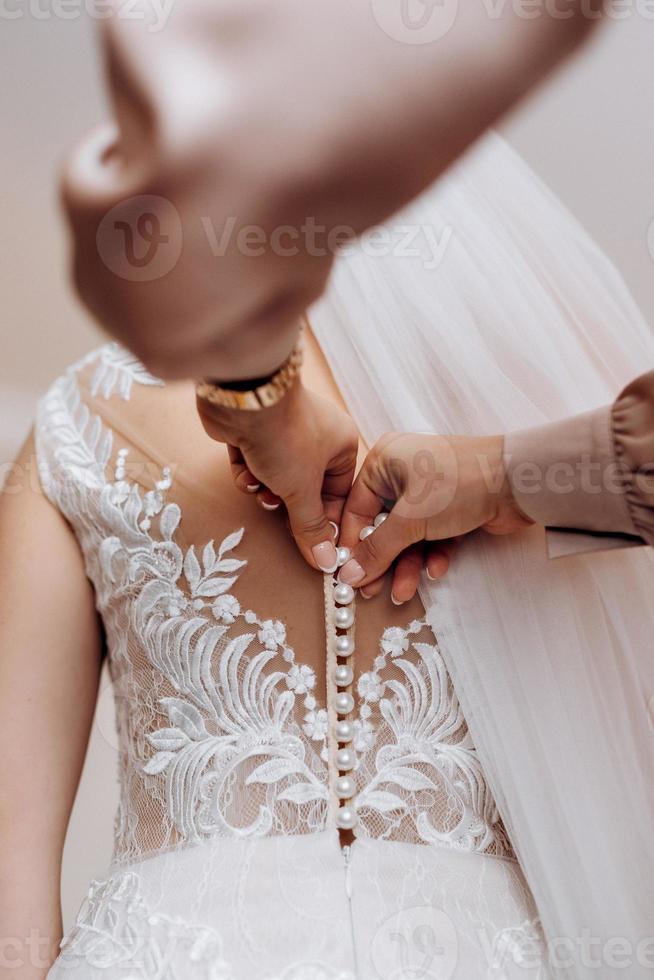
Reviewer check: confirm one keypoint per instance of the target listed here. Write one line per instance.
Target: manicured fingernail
(432, 578)
(324, 555)
(336, 529)
(397, 602)
(267, 506)
(364, 594)
(252, 487)
(351, 573)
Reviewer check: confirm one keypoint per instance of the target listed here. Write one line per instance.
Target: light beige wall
(49, 93)
(588, 133)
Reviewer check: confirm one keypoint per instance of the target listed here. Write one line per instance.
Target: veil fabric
(521, 321)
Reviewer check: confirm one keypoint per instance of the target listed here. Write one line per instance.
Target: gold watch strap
(263, 396)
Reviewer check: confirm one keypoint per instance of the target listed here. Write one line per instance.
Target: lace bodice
(216, 644)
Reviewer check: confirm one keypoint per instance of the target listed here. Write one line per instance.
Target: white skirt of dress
(304, 908)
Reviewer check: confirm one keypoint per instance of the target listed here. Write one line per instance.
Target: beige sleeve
(592, 472)
(633, 440)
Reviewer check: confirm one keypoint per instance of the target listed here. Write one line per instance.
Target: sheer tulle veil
(488, 308)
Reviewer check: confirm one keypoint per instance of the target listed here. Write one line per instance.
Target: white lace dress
(228, 864)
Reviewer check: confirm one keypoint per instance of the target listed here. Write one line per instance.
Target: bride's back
(217, 636)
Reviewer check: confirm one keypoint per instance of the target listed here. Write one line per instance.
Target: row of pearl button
(344, 596)
(346, 816)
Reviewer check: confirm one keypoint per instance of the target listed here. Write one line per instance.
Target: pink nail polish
(252, 487)
(351, 573)
(324, 555)
(269, 506)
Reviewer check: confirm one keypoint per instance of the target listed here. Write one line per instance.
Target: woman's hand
(440, 488)
(301, 451)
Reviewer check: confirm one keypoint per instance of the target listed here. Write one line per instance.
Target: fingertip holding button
(351, 573)
(325, 557)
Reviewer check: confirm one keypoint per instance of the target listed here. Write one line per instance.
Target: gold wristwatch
(252, 395)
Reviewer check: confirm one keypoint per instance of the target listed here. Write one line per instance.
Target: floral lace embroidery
(212, 734)
(229, 708)
(426, 752)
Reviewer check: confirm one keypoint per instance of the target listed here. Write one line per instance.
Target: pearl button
(380, 518)
(344, 646)
(346, 818)
(343, 675)
(344, 703)
(345, 787)
(365, 532)
(342, 555)
(343, 617)
(345, 759)
(344, 731)
(343, 593)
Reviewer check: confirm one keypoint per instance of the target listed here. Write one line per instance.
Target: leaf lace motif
(229, 709)
(234, 719)
(418, 773)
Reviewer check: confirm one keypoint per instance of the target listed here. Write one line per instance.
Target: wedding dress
(228, 863)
